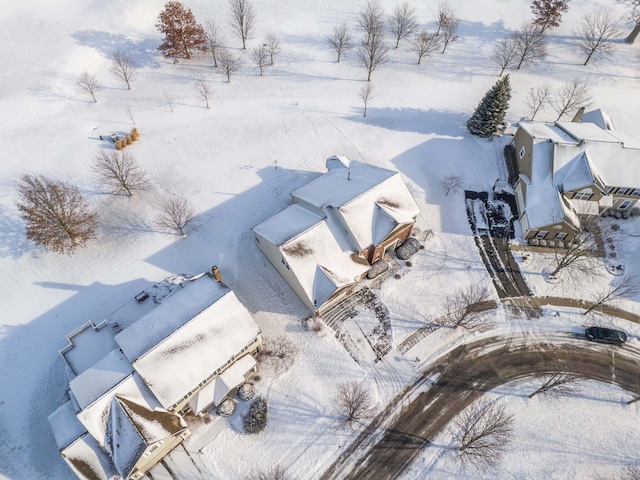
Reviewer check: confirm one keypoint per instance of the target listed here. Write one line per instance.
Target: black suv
(606, 335)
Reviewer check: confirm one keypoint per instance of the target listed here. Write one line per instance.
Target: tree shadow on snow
(142, 52)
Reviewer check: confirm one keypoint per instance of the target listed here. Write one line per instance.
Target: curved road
(389, 444)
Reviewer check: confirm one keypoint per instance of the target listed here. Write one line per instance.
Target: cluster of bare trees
(400, 25)
(564, 100)
(595, 36)
(59, 218)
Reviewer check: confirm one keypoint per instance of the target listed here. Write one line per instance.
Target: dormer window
(623, 191)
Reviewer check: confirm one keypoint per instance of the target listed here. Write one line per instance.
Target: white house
(129, 390)
(337, 227)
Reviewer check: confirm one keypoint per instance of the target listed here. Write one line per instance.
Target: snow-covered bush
(256, 418)
(246, 391)
(227, 407)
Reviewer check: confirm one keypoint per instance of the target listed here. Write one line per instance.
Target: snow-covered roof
(599, 117)
(175, 310)
(222, 384)
(578, 174)
(371, 201)
(287, 224)
(585, 131)
(546, 131)
(88, 461)
(101, 377)
(320, 263)
(190, 350)
(570, 156)
(87, 344)
(65, 425)
(125, 420)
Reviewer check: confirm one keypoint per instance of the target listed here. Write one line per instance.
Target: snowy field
(237, 162)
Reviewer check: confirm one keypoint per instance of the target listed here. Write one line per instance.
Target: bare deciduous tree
(403, 22)
(215, 40)
(353, 402)
(449, 32)
(538, 98)
(444, 14)
(482, 433)
(627, 286)
(506, 54)
(229, 63)
(88, 83)
(373, 54)
(177, 216)
(595, 34)
(558, 383)
(531, 43)
(451, 183)
(548, 13)
(120, 172)
(341, 41)
(365, 95)
(425, 44)
(259, 57)
(272, 46)
(182, 33)
(204, 90)
(274, 473)
(57, 216)
(460, 308)
(559, 379)
(243, 20)
(371, 20)
(570, 96)
(283, 350)
(634, 16)
(123, 67)
(577, 259)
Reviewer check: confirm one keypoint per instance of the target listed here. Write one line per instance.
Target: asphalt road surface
(392, 440)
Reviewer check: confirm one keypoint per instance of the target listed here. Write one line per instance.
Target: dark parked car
(606, 335)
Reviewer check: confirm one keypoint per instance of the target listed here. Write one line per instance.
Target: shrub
(134, 134)
(128, 139)
(397, 276)
(256, 418)
(119, 145)
(408, 263)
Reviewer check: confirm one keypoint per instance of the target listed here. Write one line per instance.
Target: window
(624, 204)
(622, 191)
(636, 192)
(610, 189)
(560, 236)
(585, 194)
(522, 152)
(541, 234)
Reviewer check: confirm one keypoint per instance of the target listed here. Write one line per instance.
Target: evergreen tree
(183, 34)
(491, 109)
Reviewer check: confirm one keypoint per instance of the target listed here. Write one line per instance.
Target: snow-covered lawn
(237, 162)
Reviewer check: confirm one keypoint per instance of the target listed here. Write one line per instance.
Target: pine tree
(183, 34)
(548, 13)
(491, 109)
